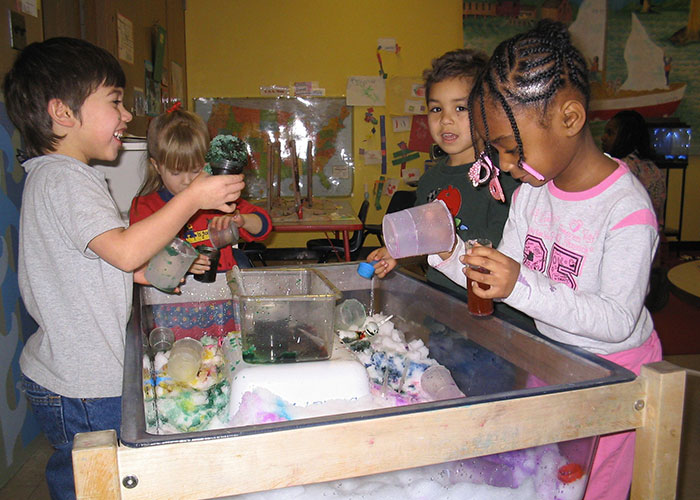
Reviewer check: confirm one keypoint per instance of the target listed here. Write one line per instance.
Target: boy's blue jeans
(60, 419)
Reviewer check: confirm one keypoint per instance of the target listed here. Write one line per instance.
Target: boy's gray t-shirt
(81, 302)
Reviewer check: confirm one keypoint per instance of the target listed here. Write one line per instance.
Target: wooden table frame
(652, 404)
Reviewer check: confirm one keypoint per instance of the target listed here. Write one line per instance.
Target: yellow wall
(235, 47)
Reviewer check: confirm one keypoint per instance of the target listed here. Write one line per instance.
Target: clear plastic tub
(286, 315)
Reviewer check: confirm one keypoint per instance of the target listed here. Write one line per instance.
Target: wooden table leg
(346, 245)
(95, 467)
(659, 440)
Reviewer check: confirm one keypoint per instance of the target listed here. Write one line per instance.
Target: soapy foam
(531, 476)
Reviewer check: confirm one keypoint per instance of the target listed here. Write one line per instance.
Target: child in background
(76, 257)
(581, 233)
(626, 137)
(477, 214)
(177, 143)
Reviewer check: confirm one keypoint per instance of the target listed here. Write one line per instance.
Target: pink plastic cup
(422, 230)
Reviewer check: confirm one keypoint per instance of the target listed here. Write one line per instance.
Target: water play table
(584, 396)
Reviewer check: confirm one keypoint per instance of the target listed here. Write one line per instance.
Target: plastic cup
(167, 267)
(350, 315)
(210, 275)
(222, 237)
(437, 382)
(422, 230)
(478, 306)
(366, 269)
(185, 359)
(161, 338)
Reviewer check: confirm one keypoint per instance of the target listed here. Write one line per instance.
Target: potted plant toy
(227, 155)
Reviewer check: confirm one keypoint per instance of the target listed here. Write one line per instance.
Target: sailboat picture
(646, 88)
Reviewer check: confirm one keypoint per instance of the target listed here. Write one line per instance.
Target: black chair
(329, 246)
(400, 200)
(254, 250)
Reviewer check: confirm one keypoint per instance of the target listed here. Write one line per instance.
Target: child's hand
(221, 222)
(140, 275)
(215, 192)
(503, 272)
(200, 265)
(140, 278)
(238, 218)
(386, 262)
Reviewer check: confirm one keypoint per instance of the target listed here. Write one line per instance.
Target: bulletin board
(325, 123)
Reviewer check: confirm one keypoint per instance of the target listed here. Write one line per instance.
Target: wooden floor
(29, 483)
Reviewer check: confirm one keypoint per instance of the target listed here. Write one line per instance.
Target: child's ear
(573, 117)
(60, 113)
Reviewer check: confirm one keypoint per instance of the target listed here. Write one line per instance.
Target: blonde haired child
(177, 144)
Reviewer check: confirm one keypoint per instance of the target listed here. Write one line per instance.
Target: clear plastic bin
(286, 315)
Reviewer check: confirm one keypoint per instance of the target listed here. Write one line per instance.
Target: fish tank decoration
(227, 155)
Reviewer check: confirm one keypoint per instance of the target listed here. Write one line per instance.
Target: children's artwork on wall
(638, 57)
(125, 38)
(410, 176)
(153, 104)
(403, 96)
(371, 156)
(401, 123)
(420, 139)
(326, 122)
(365, 91)
(390, 186)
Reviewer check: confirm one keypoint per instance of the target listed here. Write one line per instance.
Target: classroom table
(325, 214)
(685, 281)
(587, 396)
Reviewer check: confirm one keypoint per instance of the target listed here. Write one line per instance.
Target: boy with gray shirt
(77, 258)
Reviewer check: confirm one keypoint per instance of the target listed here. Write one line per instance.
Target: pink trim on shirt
(515, 194)
(638, 218)
(595, 190)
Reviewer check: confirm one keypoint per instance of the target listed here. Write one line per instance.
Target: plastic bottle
(185, 359)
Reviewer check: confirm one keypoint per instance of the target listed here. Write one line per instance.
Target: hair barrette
(491, 173)
(176, 106)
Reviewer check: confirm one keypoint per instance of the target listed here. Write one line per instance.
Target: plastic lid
(365, 269)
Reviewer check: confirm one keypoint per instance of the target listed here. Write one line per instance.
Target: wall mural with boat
(643, 54)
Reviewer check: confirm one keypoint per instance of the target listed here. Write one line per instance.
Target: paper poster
(414, 107)
(373, 157)
(418, 90)
(125, 38)
(386, 44)
(274, 90)
(420, 139)
(410, 175)
(401, 95)
(365, 91)
(390, 186)
(341, 171)
(178, 87)
(29, 7)
(401, 123)
(139, 108)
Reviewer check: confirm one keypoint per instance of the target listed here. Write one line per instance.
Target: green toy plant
(226, 149)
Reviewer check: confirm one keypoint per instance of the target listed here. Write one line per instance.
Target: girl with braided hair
(581, 233)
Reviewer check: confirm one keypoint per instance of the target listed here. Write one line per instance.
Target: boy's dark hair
(527, 70)
(460, 63)
(68, 69)
(632, 135)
